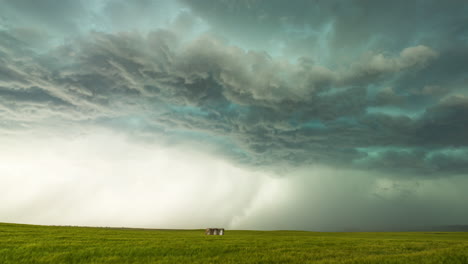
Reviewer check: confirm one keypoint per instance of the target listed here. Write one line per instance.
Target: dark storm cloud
(60, 16)
(333, 32)
(388, 26)
(394, 101)
(445, 124)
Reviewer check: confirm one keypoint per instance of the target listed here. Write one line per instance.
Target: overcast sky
(249, 114)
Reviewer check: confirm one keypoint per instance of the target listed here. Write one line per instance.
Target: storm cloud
(285, 89)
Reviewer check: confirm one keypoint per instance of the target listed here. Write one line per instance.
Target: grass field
(49, 244)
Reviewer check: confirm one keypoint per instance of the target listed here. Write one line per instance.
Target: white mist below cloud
(104, 180)
(107, 179)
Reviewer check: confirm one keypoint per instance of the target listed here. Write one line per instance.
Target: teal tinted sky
(317, 115)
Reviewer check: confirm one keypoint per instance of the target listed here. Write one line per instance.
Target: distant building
(214, 231)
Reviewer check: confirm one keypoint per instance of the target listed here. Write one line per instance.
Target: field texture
(48, 244)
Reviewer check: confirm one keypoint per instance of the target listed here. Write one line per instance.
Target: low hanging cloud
(375, 65)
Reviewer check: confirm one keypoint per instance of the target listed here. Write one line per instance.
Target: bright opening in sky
(248, 114)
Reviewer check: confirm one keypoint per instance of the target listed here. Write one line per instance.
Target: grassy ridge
(49, 244)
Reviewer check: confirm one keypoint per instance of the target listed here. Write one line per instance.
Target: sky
(249, 114)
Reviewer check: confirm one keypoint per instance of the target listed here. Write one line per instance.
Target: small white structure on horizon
(214, 231)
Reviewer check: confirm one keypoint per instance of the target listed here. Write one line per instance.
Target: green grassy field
(49, 244)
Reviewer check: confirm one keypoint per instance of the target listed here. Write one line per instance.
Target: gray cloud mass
(306, 114)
